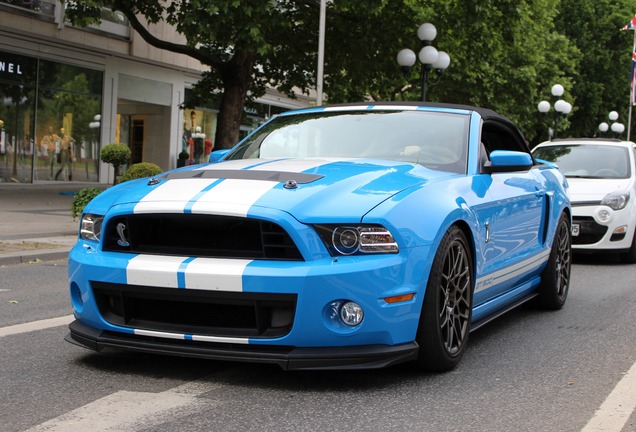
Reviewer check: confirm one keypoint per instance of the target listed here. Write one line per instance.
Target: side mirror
(217, 155)
(508, 161)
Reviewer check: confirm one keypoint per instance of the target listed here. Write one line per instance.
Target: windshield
(433, 139)
(588, 160)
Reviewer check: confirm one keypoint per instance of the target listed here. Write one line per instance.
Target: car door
(514, 221)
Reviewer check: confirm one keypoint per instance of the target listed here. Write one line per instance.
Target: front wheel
(629, 257)
(555, 279)
(445, 321)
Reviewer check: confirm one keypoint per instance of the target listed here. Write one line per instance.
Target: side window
(495, 136)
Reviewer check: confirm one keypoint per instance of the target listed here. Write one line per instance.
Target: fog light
(351, 313)
(603, 215)
(620, 230)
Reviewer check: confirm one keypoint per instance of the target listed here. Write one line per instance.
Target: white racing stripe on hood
(234, 197)
(231, 197)
(172, 195)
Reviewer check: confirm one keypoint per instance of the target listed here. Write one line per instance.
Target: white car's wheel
(629, 257)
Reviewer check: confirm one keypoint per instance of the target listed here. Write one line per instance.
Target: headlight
(91, 227)
(616, 200)
(361, 239)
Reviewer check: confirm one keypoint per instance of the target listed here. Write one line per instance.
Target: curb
(27, 257)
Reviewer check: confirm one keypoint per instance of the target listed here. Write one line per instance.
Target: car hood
(308, 189)
(582, 189)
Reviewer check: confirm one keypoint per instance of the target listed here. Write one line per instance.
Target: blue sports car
(346, 236)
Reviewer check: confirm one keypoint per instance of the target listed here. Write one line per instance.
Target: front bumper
(288, 358)
(593, 235)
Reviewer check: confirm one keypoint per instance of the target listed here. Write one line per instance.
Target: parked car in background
(347, 236)
(602, 182)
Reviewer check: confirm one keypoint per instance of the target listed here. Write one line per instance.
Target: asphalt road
(530, 370)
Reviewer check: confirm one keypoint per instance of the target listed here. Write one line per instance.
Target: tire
(555, 279)
(445, 320)
(629, 257)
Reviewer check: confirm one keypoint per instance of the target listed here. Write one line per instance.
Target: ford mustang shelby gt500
(346, 236)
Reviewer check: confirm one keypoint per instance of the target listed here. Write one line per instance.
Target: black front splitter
(288, 358)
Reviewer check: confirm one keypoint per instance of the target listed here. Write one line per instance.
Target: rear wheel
(555, 279)
(445, 321)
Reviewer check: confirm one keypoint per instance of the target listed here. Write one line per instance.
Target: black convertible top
(484, 112)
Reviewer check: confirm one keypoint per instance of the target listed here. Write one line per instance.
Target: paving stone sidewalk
(35, 221)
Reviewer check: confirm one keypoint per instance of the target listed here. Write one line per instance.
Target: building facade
(67, 91)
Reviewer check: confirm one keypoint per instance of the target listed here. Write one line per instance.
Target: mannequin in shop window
(51, 146)
(66, 156)
(198, 139)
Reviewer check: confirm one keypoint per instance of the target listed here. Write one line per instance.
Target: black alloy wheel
(447, 310)
(555, 279)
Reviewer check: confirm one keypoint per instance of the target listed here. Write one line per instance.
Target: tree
(251, 44)
(604, 73)
(247, 44)
(504, 55)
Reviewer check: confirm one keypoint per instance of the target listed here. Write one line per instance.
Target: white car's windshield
(588, 160)
(433, 139)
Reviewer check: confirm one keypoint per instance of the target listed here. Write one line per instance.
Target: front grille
(210, 313)
(199, 235)
(589, 231)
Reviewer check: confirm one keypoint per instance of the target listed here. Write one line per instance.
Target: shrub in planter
(81, 198)
(116, 155)
(140, 170)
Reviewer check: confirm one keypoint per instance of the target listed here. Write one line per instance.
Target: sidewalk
(35, 221)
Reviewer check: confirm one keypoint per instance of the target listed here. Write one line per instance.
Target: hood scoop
(275, 176)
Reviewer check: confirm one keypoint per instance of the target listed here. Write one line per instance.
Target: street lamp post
(561, 108)
(616, 127)
(430, 58)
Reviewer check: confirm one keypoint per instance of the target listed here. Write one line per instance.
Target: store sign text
(11, 68)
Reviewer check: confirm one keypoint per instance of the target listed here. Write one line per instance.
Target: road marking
(129, 411)
(35, 325)
(617, 408)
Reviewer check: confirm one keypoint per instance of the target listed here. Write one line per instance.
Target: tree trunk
(236, 76)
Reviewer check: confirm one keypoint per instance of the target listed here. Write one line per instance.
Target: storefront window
(198, 145)
(199, 127)
(59, 142)
(17, 105)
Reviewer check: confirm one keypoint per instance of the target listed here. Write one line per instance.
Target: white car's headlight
(91, 227)
(357, 239)
(616, 200)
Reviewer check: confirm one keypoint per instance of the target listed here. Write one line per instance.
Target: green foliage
(505, 55)
(81, 199)
(141, 170)
(115, 154)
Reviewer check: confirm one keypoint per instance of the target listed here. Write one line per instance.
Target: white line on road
(617, 408)
(115, 413)
(130, 411)
(35, 325)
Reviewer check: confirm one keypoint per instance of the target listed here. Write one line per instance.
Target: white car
(602, 189)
